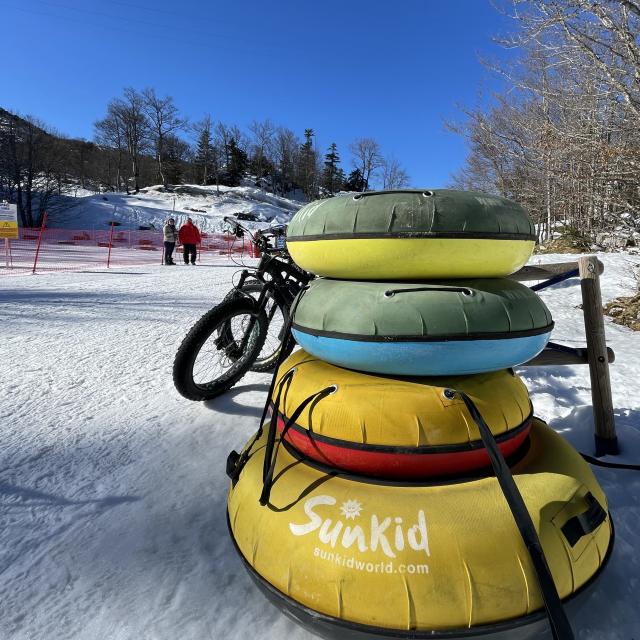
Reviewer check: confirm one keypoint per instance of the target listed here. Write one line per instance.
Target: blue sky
(392, 69)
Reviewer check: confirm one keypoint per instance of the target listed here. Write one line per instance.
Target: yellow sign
(8, 220)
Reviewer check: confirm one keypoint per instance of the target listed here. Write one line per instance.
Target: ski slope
(113, 487)
(206, 205)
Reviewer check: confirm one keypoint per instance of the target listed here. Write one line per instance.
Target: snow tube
(401, 428)
(404, 235)
(439, 328)
(353, 557)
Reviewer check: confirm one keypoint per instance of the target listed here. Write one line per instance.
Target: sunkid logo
(380, 533)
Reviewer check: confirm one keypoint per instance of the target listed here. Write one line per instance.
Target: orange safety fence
(40, 250)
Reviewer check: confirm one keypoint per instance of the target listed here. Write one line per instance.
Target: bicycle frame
(283, 284)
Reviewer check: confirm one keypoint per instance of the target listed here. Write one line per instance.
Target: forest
(143, 139)
(563, 137)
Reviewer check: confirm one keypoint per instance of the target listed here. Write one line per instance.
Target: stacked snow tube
(373, 502)
(430, 328)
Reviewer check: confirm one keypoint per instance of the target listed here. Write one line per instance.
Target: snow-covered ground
(207, 206)
(113, 487)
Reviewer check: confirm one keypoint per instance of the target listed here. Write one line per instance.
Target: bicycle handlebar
(261, 233)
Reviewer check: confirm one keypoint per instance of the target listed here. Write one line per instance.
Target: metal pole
(42, 226)
(605, 426)
(110, 243)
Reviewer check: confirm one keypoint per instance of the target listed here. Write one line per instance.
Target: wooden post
(605, 435)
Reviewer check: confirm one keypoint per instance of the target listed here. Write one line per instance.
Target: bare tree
(564, 138)
(366, 157)
(110, 134)
(135, 127)
(393, 174)
(262, 147)
(164, 119)
(286, 152)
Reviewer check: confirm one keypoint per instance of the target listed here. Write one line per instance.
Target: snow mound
(206, 205)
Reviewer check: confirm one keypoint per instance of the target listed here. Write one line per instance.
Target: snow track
(113, 488)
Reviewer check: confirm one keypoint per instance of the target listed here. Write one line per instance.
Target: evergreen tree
(175, 155)
(355, 181)
(237, 163)
(308, 166)
(332, 176)
(205, 154)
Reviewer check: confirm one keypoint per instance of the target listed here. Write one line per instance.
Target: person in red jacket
(189, 236)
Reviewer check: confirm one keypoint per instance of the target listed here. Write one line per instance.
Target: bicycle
(248, 329)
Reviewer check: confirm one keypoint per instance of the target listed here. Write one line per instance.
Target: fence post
(113, 224)
(605, 432)
(8, 257)
(42, 226)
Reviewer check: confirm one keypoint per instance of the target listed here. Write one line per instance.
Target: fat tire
(199, 334)
(265, 365)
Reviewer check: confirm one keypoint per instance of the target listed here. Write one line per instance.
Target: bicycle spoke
(223, 353)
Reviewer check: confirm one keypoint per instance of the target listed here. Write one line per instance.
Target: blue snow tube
(422, 329)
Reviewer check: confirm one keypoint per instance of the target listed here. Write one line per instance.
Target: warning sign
(8, 220)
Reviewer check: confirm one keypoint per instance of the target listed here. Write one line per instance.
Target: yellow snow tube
(375, 409)
(402, 428)
(410, 258)
(342, 552)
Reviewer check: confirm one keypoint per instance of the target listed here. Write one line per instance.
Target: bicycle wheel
(277, 317)
(219, 349)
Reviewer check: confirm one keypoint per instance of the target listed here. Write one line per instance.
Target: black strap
(281, 356)
(271, 435)
(236, 461)
(560, 626)
(610, 465)
(271, 455)
(584, 523)
(561, 277)
(465, 290)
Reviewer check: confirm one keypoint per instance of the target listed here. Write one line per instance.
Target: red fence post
(110, 244)
(42, 226)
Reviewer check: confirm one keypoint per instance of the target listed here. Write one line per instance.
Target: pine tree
(237, 163)
(355, 181)
(204, 155)
(307, 166)
(332, 176)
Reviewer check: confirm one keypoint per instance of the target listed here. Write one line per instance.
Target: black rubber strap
(584, 523)
(271, 455)
(281, 356)
(610, 465)
(560, 626)
(271, 435)
(465, 290)
(561, 277)
(236, 460)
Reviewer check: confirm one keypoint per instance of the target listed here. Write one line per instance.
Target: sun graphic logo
(351, 509)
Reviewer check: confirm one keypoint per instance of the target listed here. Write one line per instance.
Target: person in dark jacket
(170, 235)
(189, 236)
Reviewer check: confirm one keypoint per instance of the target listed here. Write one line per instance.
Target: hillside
(153, 205)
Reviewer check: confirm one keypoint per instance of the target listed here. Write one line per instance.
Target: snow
(113, 487)
(153, 205)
